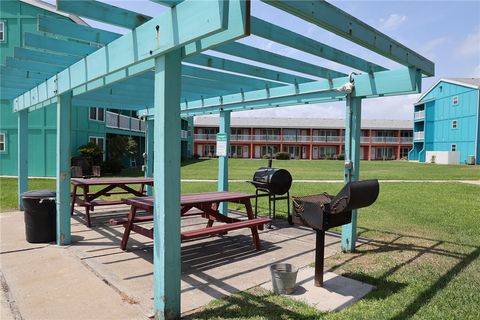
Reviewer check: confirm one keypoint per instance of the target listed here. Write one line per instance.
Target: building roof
(471, 82)
(467, 82)
(320, 123)
(52, 8)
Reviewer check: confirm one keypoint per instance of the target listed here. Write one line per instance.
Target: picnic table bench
(90, 200)
(204, 204)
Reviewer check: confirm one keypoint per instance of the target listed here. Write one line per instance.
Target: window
(454, 147)
(2, 31)
(97, 114)
(455, 100)
(2, 142)
(454, 124)
(100, 142)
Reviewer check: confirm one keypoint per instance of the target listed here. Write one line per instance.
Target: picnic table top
(194, 198)
(110, 181)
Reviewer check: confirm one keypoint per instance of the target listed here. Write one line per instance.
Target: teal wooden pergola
(160, 69)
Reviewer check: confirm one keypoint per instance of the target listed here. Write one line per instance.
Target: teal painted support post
(22, 155)
(352, 155)
(223, 159)
(64, 109)
(166, 173)
(149, 152)
(190, 136)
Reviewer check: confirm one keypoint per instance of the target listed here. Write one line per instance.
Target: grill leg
(289, 214)
(319, 256)
(270, 209)
(274, 208)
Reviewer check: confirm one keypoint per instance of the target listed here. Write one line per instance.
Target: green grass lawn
(423, 259)
(423, 254)
(241, 169)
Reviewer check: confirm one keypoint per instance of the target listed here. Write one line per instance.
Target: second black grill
(274, 183)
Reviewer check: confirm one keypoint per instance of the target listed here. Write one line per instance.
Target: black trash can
(40, 216)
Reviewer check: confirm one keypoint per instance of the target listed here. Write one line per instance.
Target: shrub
(196, 156)
(341, 156)
(282, 156)
(92, 151)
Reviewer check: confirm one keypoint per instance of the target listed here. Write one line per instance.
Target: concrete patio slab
(211, 267)
(336, 294)
(44, 281)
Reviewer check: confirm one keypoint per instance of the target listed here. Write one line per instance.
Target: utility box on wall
(443, 157)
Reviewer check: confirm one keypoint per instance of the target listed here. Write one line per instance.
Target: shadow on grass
(262, 304)
(385, 288)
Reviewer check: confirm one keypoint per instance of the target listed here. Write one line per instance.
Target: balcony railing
(240, 137)
(406, 140)
(420, 135)
(314, 139)
(184, 134)
(295, 138)
(266, 137)
(205, 136)
(419, 115)
(122, 122)
(384, 139)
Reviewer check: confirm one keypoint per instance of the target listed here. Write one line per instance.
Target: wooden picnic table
(89, 199)
(205, 204)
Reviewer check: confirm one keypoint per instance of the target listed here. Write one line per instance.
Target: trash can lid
(39, 194)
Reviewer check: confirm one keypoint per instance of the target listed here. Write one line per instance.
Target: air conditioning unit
(471, 160)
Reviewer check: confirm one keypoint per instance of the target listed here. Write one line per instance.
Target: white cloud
(471, 44)
(392, 22)
(396, 107)
(429, 48)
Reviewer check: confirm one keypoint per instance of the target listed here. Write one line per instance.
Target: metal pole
(319, 257)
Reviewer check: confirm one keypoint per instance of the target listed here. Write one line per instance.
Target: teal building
(89, 124)
(446, 120)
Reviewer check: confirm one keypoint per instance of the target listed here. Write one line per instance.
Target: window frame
(455, 100)
(454, 124)
(4, 142)
(3, 31)
(453, 146)
(96, 114)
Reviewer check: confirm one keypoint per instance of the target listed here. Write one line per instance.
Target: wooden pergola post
(22, 155)
(166, 173)
(63, 174)
(352, 164)
(224, 131)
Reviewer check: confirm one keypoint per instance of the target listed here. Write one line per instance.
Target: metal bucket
(284, 277)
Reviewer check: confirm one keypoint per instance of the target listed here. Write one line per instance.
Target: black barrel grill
(274, 183)
(323, 211)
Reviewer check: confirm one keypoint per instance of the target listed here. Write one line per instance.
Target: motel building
(303, 138)
(446, 123)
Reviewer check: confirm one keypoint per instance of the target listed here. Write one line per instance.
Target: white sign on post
(221, 144)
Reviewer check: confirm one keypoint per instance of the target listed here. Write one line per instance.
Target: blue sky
(446, 32)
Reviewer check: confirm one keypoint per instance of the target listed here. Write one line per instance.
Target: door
(315, 153)
(245, 151)
(257, 151)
